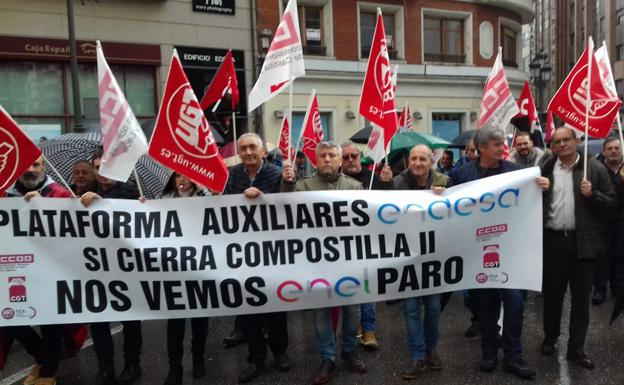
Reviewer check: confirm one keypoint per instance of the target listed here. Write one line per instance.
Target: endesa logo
(491, 257)
(17, 289)
(291, 290)
(16, 259)
(491, 230)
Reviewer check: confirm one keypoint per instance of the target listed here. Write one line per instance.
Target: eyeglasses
(561, 141)
(350, 156)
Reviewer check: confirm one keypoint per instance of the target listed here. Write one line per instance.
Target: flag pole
(619, 123)
(590, 51)
(290, 108)
(138, 182)
(234, 132)
(58, 175)
(370, 185)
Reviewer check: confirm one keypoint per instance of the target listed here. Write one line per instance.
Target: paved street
(460, 354)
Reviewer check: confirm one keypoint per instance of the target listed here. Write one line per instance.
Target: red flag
(312, 132)
(405, 120)
(377, 99)
(17, 151)
(182, 139)
(283, 141)
(550, 126)
(223, 81)
(570, 100)
(526, 104)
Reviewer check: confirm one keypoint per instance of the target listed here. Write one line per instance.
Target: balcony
(315, 50)
(392, 55)
(524, 8)
(445, 58)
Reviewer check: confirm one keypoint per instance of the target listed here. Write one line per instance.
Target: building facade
(444, 50)
(138, 38)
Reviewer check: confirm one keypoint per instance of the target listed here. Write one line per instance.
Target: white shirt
(561, 211)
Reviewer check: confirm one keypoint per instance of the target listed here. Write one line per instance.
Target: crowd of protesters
(582, 249)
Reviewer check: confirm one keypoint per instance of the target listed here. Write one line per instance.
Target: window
(508, 40)
(367, 30)
(619, 52)
(619, 17)
(297, 118)
(444, 39)
(311, 24)
(40, 93)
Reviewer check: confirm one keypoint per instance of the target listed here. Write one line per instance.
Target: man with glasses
(573, 226)
(352, 166)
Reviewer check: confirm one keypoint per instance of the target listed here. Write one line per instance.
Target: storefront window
(33, 88)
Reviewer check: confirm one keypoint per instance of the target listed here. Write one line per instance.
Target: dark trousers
(446, 297)
(253, 328)
(562, 267)
(45, 349)
(487, 303)
(103, 343)
(175, 339)
(609, 267)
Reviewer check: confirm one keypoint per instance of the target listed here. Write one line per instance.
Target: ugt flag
(283, 62)
(287, 150)
(17, 151)
(312, 132)
(405, 120)
(182, 139)
(583, 92)
(377, 146)
(223, 82)
(122, 136)
(377, 99)
(497, 105)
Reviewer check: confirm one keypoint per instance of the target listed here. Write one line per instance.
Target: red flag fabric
(526, 104)
(497, 104)
(17, 151)
(550, 126)
(377, 98)
(405, 120)
(283, 141)
(182, 139)
(223, 81)
(312, 132)
(570, 100)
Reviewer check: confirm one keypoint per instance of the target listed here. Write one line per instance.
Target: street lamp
(540, 75)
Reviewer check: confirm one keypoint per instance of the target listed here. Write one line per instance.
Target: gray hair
(329, 144)
(485, 135)
(251, 135)
(349, 143)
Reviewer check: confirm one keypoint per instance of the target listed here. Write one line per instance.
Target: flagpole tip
(379, 11)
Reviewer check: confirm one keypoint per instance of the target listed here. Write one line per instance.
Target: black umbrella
(461, 139)
(523, 124)
(362, 135)
(62, 152)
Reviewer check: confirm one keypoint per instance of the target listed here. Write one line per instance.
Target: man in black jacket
(352, 166)
(254, 177)
(100, 331)
(573, 224)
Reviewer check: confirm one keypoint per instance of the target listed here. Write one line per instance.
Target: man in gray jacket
(524, 153)
(328, 176)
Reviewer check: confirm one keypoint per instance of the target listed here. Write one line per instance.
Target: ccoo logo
(188, 126)
(9, 157)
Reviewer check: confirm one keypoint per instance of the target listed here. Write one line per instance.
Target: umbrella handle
(59, 176)
(138, 182)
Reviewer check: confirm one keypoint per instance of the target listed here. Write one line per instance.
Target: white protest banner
(216, 256)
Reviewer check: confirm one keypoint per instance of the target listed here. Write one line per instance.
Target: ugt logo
(383, 75)
(17, 289)
(491, 257)
(188, 126)
(9, 156)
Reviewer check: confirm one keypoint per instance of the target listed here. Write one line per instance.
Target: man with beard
(524, 153)
(352, 166)
(47, 349)
(100, 331)
(609, 267)
(330, 177)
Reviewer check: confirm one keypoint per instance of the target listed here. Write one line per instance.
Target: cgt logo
(17, 289)
(16, 259)
(491, 257)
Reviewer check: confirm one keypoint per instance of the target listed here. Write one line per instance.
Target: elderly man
(352, 166)
(254, 177)
(329, 177)
(524, 153)
(422, 334)
(100, 331)
(47, 349)
(609, 267)
(490, 145)
(573, 226)
(83, 179)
